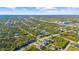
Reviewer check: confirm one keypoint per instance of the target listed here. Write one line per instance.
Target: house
(66, 22)
(17, 33)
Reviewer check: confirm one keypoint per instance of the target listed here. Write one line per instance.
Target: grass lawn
(32, 48)
(72, 36)
(48, 47)
(71, 48)
(60, 42)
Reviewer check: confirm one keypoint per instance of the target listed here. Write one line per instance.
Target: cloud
(12, 8)
(50, 11)
(46, 8)
(39, 10)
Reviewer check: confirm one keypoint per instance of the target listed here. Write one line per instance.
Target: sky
(39, 10)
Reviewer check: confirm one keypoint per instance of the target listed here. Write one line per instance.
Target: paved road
(67, 46)
(47, 37)
(69, 40)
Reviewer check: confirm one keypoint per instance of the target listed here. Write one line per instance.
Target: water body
(25, 45)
